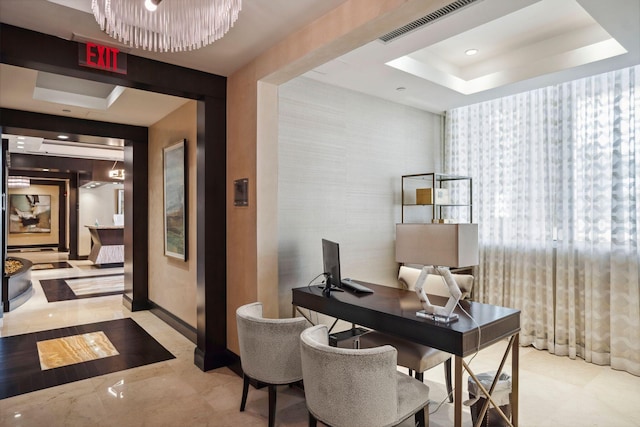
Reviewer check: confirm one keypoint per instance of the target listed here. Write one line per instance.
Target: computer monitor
(331, 265)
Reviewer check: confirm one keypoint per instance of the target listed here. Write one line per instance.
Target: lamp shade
(446, 245)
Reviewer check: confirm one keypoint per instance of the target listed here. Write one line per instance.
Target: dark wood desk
(393, 311)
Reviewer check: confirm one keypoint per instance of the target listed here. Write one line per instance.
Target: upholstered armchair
(419, 358)
(269, 351)
(357, 388)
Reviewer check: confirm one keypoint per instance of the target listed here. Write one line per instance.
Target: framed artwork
(29, 213)
(175, 207)
(120, 201)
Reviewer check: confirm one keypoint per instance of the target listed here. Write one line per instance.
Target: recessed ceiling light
(21, 138)
(45, 170)
(66, 110)
(63, 137)
(20, 142)
(471, 52)
(401, 88)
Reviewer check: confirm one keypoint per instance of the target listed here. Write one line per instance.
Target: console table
(108, 244)
(393, 311)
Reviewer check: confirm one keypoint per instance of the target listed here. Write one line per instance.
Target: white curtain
(556, 180)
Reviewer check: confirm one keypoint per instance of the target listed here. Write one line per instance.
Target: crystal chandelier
(175, 25)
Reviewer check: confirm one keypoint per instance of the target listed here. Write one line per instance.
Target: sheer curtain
(557, 198)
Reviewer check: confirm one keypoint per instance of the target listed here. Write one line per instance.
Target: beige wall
(252, 142)
(172, 282)
(27, 239)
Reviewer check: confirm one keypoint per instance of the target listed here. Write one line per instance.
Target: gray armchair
(417, 357)
(357, 388)
(269, 351)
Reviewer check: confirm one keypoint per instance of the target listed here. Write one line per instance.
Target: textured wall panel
(341, 156)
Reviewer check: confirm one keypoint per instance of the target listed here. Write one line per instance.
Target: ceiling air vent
(427, 19)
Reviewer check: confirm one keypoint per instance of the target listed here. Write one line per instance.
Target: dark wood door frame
(4, 148)
(75, 171)
(29, 49)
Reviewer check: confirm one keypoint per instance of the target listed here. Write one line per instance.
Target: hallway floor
(553, 390)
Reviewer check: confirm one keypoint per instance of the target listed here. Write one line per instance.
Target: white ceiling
(523, 44)
(261, 24)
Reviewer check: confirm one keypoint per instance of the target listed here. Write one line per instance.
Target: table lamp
(437, 246)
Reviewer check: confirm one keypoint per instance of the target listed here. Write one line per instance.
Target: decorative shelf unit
(435, 197)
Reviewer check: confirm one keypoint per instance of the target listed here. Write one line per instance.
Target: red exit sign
(106, 58)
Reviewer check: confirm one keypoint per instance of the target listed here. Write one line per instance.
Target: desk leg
(515, 357)
(457, 394)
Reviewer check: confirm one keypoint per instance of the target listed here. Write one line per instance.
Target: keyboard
(354, 286)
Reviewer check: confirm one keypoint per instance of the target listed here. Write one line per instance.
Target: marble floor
(553, 390)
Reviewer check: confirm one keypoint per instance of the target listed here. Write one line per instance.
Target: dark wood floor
(20, 370)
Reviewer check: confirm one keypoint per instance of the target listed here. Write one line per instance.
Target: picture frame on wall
(29, 213)
(175, 197)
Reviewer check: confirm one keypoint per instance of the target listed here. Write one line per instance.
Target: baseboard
(178, 324)
(235, 364)
(135, 306)
(31, 248)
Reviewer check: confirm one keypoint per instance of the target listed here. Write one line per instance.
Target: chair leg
(245, 391)
(447, 376)
(312, 420)
(426, 415)
(419, 417)
(420, 376)
(272, 405)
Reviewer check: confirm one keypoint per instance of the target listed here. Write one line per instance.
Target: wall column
(211, 351)
(136, 211)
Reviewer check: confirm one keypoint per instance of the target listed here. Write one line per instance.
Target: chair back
(349, 387)
(269, 348)
(435, 285)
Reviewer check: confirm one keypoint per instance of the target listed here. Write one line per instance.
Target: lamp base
(453, 317)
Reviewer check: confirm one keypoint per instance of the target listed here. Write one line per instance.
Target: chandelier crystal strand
(175, 26)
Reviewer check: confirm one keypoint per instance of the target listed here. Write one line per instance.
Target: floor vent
(421, 22)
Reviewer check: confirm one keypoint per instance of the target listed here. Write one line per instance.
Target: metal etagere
(459, 190)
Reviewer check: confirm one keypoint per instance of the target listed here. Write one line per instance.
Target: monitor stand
(330, 288)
